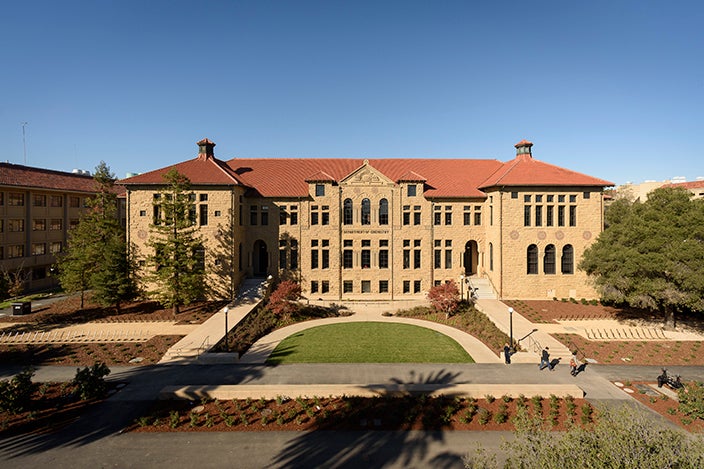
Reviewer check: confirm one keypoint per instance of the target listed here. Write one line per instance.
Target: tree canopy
(651, 256)
(177, 260)
(97, 257)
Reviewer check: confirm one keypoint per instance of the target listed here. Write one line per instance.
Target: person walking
(507, 354)
(545, 359)
(574, 364)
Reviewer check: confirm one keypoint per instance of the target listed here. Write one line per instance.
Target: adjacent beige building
(382, 229)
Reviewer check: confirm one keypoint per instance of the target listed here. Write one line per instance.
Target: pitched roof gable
(200, 171)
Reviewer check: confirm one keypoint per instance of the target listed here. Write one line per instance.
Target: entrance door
(471, 258)
(260, 259)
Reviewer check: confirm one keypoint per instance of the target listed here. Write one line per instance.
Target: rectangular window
(526, 198)
(573, 198)
(406, 286)
(573, 215)
(551, 198)
(586, 195)
(406, 214)
(39, 200)
(560, 215)
(526, 215)
(437, 258)
(2, 199)
(448, 258)
(514, 195)
(320, 190)
(203, 197)
(416, 218)
(56, 224)
(56, 201)
(294, 254)
(467, 218)
(477, 217)
(448, 218)
(55, 247)
(203, 216)
(383, 258)
(72, 223)
(549, 215)
(15, 226)
(74, 202)
(253, 215)
(538, 215)
(314, 259)
(383, 286)
(282, 259)
(406, 258)
(325, 262)
(325, 286)
(314, 286)
(293, 218)
(38, 249)
(411, 190)
(265, 215)
(437, 218)
(15, 251)
(314, 218)
(282, 215)
(366, 258)
(561, 199)
(39, 224)
(416, 286)
(347, 259)
(366, 286)
(15, 199)
(325, 217)
(347, 286)
(416, 259)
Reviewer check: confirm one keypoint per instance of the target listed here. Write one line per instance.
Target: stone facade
(366, 236)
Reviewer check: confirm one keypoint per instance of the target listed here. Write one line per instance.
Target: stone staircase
(483, 288)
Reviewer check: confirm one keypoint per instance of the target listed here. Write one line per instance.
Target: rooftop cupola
(205, 149)
(523, 149)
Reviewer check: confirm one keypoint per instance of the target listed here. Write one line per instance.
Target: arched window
(347, 212)
(383, 212)
(568, 259)
(549, 259)
(366, 212)
(491, 257)
(532, 259)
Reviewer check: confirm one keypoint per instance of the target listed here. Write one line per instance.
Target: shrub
(489, 398)
(501, 415)
(16, 394)
(282, 301)
(692, 400)
(483, 415)
(445, 298)
(90, 382)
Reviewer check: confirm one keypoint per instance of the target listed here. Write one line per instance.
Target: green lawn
(368, 342)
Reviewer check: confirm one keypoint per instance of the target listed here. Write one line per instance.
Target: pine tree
(96, 257)
(177, 263)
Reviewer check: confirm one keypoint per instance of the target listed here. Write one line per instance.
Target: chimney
(205, 149)
(523, 149)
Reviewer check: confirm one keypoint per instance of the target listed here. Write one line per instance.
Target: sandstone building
(376, 229)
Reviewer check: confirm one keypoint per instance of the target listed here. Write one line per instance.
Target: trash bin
(22, 307)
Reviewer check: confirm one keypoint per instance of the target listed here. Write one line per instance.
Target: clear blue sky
(614, 89)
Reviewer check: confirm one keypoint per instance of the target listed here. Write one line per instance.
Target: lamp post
(510, 326)
(227, 345)
(462, 287)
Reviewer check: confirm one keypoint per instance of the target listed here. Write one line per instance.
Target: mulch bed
(662, 405)
(349, 413)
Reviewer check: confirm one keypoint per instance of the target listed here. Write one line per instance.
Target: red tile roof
(25, 177)
(687, 185)
(527, 171)
(289, 177)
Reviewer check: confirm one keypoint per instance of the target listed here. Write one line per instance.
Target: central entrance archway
(260, 259)
(471, 258)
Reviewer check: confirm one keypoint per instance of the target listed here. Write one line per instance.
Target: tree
(177, 260)
(445, 298)
(97, 256)
(282, 301)
(621, 437)
(651, 256)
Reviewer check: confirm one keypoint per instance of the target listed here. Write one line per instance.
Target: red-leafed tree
(283, 301)
(445, 298)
